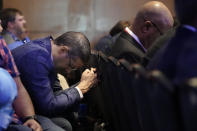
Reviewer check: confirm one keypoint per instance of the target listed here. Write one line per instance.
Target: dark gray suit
(126, 47)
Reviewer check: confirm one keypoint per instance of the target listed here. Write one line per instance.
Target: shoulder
(30, 52)
(8, 38)
(126, 44)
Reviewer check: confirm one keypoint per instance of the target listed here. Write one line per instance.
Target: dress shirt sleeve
(80, 93)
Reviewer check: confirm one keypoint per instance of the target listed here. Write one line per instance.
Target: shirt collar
(135, 37)
(189, 27)
(51, 39)
(15, 38)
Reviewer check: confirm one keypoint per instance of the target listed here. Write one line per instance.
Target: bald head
(158, 13)
(155, 16)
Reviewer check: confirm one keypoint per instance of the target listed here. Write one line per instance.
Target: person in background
(14, 27)
(152, 20)
(105, 43)
(178, 60)
(160, 43)
(24, 118)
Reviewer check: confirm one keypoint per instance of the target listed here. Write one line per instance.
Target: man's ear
(147, 25)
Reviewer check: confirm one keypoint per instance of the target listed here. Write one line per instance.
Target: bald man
(152, 20)
(178, 59)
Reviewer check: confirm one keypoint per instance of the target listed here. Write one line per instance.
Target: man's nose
(24, 21)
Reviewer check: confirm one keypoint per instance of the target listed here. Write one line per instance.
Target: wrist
(24, 119)
(81, 85)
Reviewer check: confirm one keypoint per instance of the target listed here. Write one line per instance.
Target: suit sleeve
(35, 74)
(130, 57)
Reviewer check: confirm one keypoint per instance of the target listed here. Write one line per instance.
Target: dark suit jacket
(126, 47)
(172, 57)
(35, 64)
(106, 43)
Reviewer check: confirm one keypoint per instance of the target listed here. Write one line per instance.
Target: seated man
(157, 45)
(8, 92)
(15, 31)
(14, 27)
(149, 59)
(178, 58)
(152, 20)
(40, 60)
(25, 115)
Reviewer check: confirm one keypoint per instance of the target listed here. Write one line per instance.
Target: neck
(14, 33)
(135, 31)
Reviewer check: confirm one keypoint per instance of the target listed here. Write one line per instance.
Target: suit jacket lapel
(132, 40)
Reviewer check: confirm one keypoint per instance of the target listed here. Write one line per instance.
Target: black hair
(78, 43)
(8, 15)
(119, 27)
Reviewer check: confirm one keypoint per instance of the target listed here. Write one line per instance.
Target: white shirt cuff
(80, 93)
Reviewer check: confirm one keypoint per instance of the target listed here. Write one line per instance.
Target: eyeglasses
(160, 32)
(70, 63)
(77, 66)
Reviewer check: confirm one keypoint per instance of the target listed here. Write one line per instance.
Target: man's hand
(88, 79)
(31, 123)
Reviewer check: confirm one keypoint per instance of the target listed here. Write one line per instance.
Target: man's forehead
(18, 15)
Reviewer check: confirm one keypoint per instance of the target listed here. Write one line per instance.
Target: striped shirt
(7, 60)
